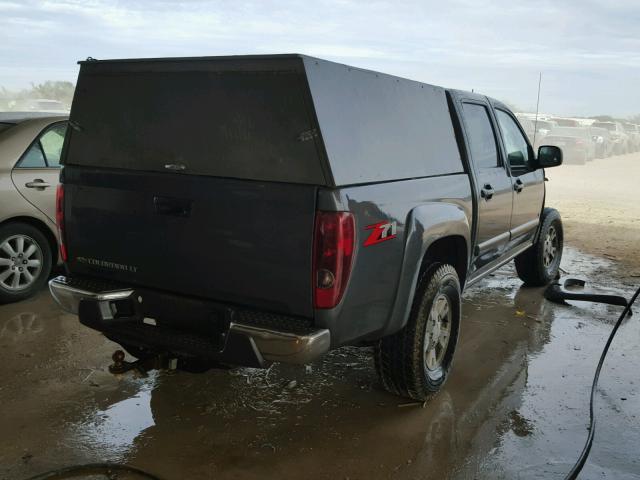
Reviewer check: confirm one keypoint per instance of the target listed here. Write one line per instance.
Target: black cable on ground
(582, 459)
(93, 469)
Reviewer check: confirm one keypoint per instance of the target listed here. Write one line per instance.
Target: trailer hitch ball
(118, 365)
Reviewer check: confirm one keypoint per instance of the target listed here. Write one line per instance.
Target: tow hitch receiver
(558, 293)
(143, 365)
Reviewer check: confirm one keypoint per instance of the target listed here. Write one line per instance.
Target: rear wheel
(416, 361)
(540, 264)
(25, 261)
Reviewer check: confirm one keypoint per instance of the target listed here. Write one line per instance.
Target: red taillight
(60, 220)
(332, 254)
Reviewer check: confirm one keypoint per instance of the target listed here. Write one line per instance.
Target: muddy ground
(600, 206)
(515, 406)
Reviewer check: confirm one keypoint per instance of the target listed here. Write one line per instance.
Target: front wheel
(540, 264)
(416, 361)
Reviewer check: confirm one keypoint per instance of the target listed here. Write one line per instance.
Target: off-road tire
(19, 228)
(530, 264)
(399, 358)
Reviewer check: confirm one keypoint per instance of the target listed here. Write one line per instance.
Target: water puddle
(115, 428)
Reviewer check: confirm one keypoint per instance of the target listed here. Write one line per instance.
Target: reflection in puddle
(116, 427)
(22, 324)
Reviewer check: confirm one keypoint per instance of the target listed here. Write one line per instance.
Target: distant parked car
(542, 129)
(45, 105)
(618, 135)
(30, 146)
(602, 141)
(634, 136)
(527, 125)
(566, 122)
(544, 126)
(575, 142)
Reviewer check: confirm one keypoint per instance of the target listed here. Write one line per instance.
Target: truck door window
(514, 142)
(482, 141)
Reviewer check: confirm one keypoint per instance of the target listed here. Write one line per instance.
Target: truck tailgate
(239, 241)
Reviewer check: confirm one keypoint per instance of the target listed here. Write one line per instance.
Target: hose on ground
(582, 459)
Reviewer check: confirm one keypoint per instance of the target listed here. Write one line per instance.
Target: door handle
(487, 192)
(37, 183)
(518, 186)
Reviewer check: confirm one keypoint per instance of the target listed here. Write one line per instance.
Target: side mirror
(549, 156)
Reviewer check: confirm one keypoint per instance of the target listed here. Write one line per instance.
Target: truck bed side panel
(369, 306)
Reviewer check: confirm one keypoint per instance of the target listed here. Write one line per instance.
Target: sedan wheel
(20, 262)
(25, 261)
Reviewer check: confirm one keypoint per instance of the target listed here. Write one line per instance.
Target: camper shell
(284, 118)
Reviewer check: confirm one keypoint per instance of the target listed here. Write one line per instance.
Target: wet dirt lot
(515, 406)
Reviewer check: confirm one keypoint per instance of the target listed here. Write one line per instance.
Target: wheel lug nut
(24, 262)
(13, 267)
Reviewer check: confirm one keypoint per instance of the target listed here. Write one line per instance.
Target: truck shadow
(333, 420)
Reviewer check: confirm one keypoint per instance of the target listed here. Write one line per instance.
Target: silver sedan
(30, 147)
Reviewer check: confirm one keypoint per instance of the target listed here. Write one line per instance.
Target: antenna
(535, 126)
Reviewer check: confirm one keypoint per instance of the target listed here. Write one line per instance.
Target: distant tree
(55, 90)
(5, 97)
(51, 89)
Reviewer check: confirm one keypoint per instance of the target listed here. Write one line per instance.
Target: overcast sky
(588, 51)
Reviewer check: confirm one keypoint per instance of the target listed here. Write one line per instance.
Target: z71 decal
(380, 232)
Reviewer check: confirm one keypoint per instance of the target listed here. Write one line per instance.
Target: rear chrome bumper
(271, 345)
(68, 295)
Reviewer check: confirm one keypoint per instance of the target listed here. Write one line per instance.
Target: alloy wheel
(550, 247)
(20, 262)
(437, 332)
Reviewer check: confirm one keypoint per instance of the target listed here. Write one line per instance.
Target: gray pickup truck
(246, 210)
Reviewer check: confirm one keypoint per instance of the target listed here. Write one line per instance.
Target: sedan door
(37, 173)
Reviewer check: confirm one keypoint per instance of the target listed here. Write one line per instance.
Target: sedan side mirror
(549, 156)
